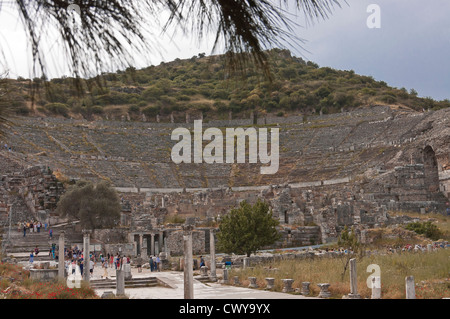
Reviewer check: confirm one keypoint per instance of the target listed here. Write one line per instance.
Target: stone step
(133, 283)
(202, 278)
(44, 257)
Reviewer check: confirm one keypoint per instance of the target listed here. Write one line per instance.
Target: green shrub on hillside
(428, 229)
(58, 109)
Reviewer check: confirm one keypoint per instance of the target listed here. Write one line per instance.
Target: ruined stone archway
(430, 170)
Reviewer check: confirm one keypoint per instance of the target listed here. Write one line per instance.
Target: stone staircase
(20, 247)
(130, 283)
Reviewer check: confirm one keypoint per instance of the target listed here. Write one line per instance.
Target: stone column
(212, 248)
(120, 282)
(61, 268)
(410, 288)
(353, 281)
(204, 271)
(270, 283)
(141, 242)
(236, 280)
(253, 283)
(246, 262)
(144, 248)
(127, 272)
(305, 288)
(160, 241)
(152, 245)
(188, 263)
(225, 276)
(324, 293)
(287, 285)
(86, 245)
(376, 287)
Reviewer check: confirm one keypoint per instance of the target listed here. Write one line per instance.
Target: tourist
(81, 265)
(24, 230)
(31, 257)
(38, 227)
(91, 266)
(36, 251)
(151, 264)
(50, 232)
(74, 266)
(202, 262)
(105, 268)
(118, 261)
(35, 227)
(111, 260)
(66, 265)
(139, 264)
(158, 263)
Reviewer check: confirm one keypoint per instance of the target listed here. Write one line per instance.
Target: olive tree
(94, 205)
(248, 228)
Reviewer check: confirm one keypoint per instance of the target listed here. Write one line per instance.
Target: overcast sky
(411, 48)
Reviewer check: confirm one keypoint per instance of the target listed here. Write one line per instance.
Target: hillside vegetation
(204, 83)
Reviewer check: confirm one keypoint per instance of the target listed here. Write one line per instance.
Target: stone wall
(175, 242)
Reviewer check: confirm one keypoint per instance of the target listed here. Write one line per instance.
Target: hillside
(204, 84)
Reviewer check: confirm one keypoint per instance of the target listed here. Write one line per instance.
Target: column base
(352, 296)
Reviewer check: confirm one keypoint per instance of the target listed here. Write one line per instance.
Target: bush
(58, 109)
(388, 99)
(22, 110)
(97, 109)
(151, 111)
(220, 106)
(133, 109)
(428, 229)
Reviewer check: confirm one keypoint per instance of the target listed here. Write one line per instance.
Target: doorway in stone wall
(430, 170)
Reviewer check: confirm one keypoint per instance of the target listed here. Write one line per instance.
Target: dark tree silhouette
(105, 32)
(94, 205)
(101, 30)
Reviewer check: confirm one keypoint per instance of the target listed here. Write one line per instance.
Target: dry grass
(430, 270)
(16, 284)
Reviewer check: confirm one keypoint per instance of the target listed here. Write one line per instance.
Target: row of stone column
(86, 261)
(189, 264)
(287, 285)
(143, 252)
(324, 293)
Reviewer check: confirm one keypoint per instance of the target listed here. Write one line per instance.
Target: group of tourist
(116, 260)
(7, 148)
(75, 257)
(398, 248)
(31, 227)
(417, 247)
(155, 263)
